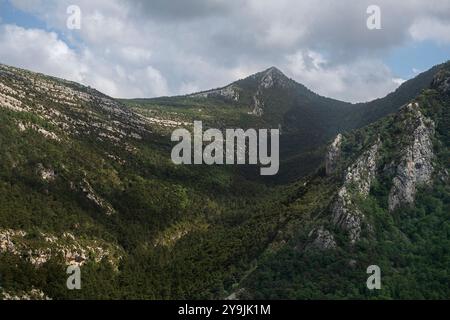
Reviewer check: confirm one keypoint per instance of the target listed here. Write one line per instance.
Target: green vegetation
(411, 245)
(205, 232)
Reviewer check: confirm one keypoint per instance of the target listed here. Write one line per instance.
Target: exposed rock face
(444, 176)
(230, 92)
(442, 81)
(324, 239)
(258, 105)
(47, 174)
(273, 77)
(358, 179)
(74, 251)
(270, 78)
(6, 240)
(33, 294)
(72, 110)
(90, 193)
(416, 165)
(333, 155)
(362, 172)
(414, 168)
(346, 214)
(30, 126)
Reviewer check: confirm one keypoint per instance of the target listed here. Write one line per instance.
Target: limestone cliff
(359, 176)
(333, 155)
(415, 167)
(323, 239)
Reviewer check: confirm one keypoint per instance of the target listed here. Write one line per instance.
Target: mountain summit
(272, 77)
(248, 92)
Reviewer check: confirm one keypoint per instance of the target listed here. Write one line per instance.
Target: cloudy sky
(147, 48)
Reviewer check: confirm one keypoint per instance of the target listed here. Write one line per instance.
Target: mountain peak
(271, 77)
(274, 70)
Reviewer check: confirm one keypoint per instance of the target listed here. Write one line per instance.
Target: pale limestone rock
(415, 167)
(274, 77)
(323, 239)
(7, 240)
(361, 173)
(258, 105)
(91, 195)
(333, 155)
(31, 126)
(21, 126)
(74, 251)
(69, 107)
(46, 174)
(357, 182)
(442, 81)
(230, 92)
(33, 294)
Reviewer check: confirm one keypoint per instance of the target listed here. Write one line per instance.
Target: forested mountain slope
(88, 180)
(390, 207)
(269, 99)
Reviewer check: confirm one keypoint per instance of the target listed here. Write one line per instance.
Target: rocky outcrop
(46, 174)
(270, 78)
(442, 81)
(346, 215)
(323, 239)
(333, 155)
(361, 173)
(6, 240)
(230, 92)
(415, 167)
(67, 108)
(33, 294)
(39, 249)
(273, 77)
(30, 126)
(359, 176)
(101, 203)
(258, 105)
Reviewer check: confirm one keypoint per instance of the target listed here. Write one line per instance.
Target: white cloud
(44, 52)
(358, 81)
(148, 48)
(431, 29)
(398, 81)
(40, 51)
